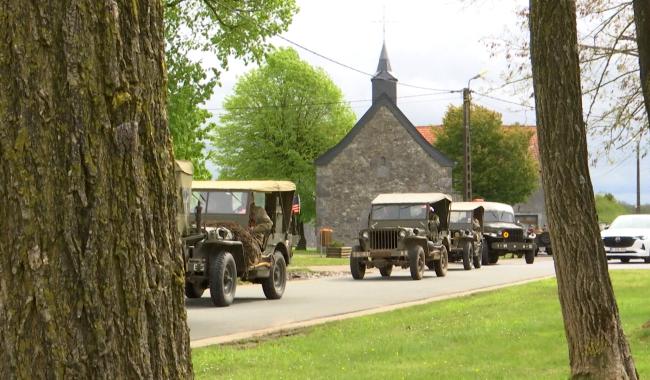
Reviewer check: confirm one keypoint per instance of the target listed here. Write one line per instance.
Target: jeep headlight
(456, 234)
(416, 232)
(365, 235)
(402, 233)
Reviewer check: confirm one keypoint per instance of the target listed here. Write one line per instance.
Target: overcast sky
(437, 45)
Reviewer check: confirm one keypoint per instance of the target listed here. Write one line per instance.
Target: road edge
(340, 317)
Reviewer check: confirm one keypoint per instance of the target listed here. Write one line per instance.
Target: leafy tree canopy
(225, 29)
(280, 118)
(503, 169)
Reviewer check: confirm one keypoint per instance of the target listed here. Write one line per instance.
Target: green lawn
(313, 258)
(512, 333)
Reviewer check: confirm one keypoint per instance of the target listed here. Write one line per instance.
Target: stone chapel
(382, 153)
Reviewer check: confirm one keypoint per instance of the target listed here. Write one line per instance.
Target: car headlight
(640, 237)
(456, 234)
(416, 232)
(365, 234)
(402, 233)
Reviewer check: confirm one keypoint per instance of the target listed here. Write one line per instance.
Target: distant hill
(608, 208)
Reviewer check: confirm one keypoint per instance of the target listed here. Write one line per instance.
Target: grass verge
(312, 258)
(510, 333)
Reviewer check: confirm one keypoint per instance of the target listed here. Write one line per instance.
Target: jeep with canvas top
(223, 212)
(408, 230)
(466, 232)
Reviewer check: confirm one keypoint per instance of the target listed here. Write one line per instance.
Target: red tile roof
(429, 132)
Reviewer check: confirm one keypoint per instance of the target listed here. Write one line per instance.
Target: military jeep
(503, 235)
(406, 230)
(466, 231)
(222, 211)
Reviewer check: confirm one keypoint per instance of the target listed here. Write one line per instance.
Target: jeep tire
(493, 257)
(274, 285)
(467, 255)
(476, 255)
(625, 260)
(386, 271)
(192, 290)
(530, 256)
(440, 266)
(485, 252)
(357, 268)
(222, 272)
(416, 262)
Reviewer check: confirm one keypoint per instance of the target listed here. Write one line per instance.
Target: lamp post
(467, 158)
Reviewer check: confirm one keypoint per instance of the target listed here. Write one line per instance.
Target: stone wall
(382, 158)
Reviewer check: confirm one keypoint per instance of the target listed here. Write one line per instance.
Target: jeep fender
(281, 247)
(209, 249)
(411, 241)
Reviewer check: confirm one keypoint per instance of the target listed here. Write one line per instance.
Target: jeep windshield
(399, 212)
(460, 217)
(221, 202)
(498, 216)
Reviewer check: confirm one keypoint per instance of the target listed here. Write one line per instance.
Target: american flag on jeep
(295, 205)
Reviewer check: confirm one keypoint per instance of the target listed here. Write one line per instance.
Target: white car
(628, 237)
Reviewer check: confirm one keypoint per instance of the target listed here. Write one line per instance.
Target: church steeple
(384, 82)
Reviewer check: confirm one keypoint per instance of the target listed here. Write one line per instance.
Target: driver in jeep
(260, 223)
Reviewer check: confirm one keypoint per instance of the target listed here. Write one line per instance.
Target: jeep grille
(383, 239)
(623, 241)
(515, 235)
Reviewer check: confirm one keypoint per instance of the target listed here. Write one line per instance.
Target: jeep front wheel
(274, 285)
(530, 256)
(440, 266)
(386, 271)
(223, 278)
(357, 267)
(467, 253)
(416, 262)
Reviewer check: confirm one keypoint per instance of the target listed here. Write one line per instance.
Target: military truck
(407, 230)
(466, 231)
(221, 211)
(503, 235)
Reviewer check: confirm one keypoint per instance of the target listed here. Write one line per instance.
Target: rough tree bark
(642, 23)
(598, 348)
(91, 276)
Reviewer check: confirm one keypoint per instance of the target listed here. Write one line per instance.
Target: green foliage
(608, 208)
(503, 169)
(513, 333)
(225, 28)
(280, 118)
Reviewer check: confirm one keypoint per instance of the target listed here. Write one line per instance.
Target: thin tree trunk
(642, 23)
(91, 273)
(302, 243)
(598, 348)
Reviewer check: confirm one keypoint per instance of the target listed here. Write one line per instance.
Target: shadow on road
(206, 302)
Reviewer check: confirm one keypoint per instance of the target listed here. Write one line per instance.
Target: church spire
(383, 82)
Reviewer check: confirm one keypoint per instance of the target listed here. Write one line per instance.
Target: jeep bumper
(381, 254)
(512, 246)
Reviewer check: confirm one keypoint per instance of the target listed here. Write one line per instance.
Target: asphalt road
(305, 300)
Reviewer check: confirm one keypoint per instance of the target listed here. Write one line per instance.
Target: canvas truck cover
(409, 198)
(258, 186)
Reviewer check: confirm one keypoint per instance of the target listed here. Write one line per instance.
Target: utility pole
(638, 176)
(467, 158)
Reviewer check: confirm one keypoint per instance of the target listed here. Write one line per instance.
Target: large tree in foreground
(503, 167)
(91, 272)
(280, 118)
(598, 348)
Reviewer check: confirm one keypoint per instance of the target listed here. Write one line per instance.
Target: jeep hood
(626, 232)
(500, 226)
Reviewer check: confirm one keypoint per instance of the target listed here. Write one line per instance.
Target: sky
(434, 47)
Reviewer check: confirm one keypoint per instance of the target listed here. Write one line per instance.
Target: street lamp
(467, 181)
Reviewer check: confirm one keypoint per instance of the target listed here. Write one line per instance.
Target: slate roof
(385, 101)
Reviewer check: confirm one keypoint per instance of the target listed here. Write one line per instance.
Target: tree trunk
(598, 348)
(302, 243)
(642, 23)
(91, 272)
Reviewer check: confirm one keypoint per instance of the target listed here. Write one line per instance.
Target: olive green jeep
(229, 249)
(466, 231)
(407, 230)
